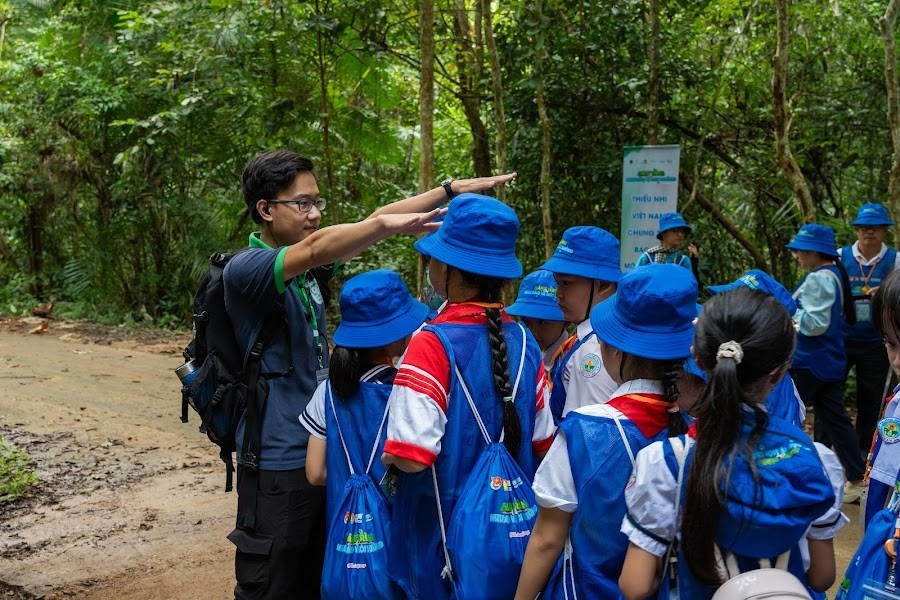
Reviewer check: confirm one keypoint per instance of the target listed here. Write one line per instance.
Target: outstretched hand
(414, 223)
(478, 184)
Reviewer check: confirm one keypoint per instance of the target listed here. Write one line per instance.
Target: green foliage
(15, 474)
(124, 127)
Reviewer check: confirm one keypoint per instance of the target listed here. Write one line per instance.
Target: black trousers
(833, 425)
(872, 368)
(282, 557)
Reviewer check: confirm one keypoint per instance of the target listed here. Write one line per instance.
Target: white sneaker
(853, 492)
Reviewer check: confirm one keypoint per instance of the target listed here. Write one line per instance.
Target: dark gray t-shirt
(253, 282)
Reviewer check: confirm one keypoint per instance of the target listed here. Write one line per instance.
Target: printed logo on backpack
(358, 536)
(484, 544)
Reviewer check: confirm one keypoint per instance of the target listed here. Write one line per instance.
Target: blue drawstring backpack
(872, 573)
(358, 536)
(484, 544)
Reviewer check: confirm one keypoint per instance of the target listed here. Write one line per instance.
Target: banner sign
(649, 190)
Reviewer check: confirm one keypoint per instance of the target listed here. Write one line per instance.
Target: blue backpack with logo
(872, 573)
(359, 534)
(484, 544)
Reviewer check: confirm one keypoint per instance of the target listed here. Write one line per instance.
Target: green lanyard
(303, 292)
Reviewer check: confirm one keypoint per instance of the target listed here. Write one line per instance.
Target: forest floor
(131, 502)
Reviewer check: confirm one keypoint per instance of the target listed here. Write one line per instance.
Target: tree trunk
(426, 114)
(497, 87)
(653, 93)
(546, 131)
(783, 120)
(887, 23)
(469, 75)
(724, 221)
(325, 112)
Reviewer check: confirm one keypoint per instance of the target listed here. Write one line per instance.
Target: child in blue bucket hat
(645, 332)
(867, 261)
(742, 485)
(536, 306)
(472, 344)
(346, 415)
(585, 266)
(824, 305)
(673, 230)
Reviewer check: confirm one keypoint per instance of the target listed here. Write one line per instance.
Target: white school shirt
(651, 501)
(554, 485)
(313, 418)
(584, 377)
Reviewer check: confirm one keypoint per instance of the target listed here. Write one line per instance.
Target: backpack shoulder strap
(618, 422)
(839, 283)
(329, 396)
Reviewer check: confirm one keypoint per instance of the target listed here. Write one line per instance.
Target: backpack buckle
(250, 460)
(256, 350)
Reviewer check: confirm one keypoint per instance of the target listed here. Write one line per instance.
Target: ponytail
(344, 371)
(489, 289)
(847, 291)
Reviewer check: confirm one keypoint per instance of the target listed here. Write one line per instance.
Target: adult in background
(281, 554)
(824, 304)
(673, 230)
(536, 306)
(868, 261)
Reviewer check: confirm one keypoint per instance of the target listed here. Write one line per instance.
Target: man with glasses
(290, 261)
(868, 261)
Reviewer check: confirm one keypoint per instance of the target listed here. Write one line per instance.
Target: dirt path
(131, 505)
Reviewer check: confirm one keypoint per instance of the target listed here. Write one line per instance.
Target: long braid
(671, 375)
(512, 426)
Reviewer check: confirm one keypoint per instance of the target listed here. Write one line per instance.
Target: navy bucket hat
(376, 310)
(651, 314)
(815, 238)
(762, 281)
(478, 235)
(672, 220)
(872, 215)
(586, 252)
(537, 298)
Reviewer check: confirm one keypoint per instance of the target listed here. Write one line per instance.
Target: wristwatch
(448, 188)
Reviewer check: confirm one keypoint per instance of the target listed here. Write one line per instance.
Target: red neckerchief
(468, 313)
(649, 412)
(692, 430)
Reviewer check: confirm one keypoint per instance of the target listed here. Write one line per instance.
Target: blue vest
(558, 394)
(824, 354)
(864, 331)
(361, 419)
(601, 469)
(416, 563)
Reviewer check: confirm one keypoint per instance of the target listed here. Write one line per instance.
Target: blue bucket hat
(651, 314)
(816, 238)
(376, 310)
(478, 235)
(762, 281)
(872, 214)
(793, 491)
(587, 252)
(537, 298)
(672, 220)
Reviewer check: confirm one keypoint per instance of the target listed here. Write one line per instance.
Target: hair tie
(674, 408)
(507, 398)
(732, 350)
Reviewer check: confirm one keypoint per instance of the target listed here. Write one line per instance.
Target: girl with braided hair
(743, 489)
(472, 345)
(645, 333)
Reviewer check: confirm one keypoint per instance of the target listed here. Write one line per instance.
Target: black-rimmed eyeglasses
(302, 204)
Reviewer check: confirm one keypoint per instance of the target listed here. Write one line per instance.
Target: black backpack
(223, 386)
